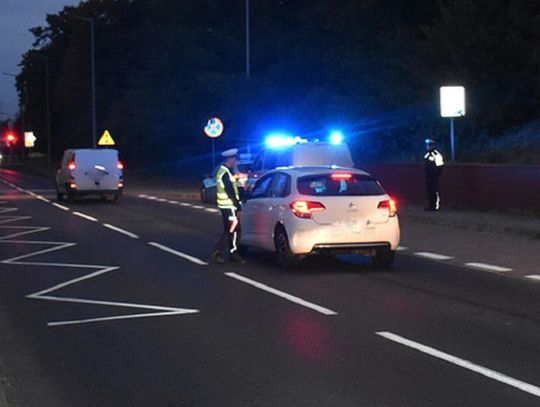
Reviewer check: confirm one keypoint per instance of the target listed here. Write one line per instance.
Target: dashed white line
(82, 215)
(488, 267)
(402, 248)
(119, 230)
(433, 256)
(179, 254)
(535, 277)
(492, 374)
(213, 210)
(282, 294)
(64, 208)
(43, 199)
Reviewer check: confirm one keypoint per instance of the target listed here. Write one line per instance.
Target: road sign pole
(213, 154)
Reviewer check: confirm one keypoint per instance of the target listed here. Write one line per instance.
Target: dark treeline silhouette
(371, 67)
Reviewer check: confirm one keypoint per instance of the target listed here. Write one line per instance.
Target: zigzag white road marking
(100, 270)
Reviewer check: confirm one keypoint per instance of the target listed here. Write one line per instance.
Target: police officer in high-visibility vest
(433, 164)
(228, 201)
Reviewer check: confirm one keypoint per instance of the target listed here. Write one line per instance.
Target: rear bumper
(317, 239)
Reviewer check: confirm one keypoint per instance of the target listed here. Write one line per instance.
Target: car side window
(260, 188)
(280, 186)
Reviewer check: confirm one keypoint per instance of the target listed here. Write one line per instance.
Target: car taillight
(389, 204)
(120, 165)
(72, 165)
(304, 209)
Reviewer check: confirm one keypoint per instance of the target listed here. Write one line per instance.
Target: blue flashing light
(336, 137)
(279, 140)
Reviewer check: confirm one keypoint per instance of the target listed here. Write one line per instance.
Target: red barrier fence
(478, 186)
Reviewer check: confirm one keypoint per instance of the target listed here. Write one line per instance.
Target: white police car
(301, 211)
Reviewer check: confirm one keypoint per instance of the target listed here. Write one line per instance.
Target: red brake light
(390, 205)
(72, 165)
(120, 165)
(340, 176)
(304, 209)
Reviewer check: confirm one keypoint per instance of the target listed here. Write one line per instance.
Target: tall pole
(93, 67)
(93, 84)
(48, 112)
(248, 68)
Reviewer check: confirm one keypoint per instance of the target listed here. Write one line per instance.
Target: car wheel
(383, 258)
(284, 257)
(59, 195)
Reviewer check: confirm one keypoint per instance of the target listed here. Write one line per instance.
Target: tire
(384, 258)
(284, 257)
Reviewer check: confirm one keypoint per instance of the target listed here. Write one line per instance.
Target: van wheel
(113, 198)
(284, 257)
(383, 258)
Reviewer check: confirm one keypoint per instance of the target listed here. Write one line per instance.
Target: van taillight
(390, 205)
(120, 165)
(72, 165)
(304, 209)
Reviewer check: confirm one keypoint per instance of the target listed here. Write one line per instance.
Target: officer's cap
(233, 152)
(430, 141)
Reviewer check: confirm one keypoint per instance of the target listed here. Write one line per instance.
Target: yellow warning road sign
(106, 139)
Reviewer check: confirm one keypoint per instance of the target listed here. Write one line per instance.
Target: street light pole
(93, 64)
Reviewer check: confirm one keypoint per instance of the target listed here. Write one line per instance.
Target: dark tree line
(371, 67)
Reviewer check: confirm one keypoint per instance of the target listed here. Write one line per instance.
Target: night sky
(17, 17)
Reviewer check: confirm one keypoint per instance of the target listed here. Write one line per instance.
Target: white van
(305, 154)
(94, 171)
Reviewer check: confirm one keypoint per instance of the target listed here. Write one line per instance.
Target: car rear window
(339, 185)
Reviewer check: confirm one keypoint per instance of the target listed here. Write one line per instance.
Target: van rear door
(97, 170)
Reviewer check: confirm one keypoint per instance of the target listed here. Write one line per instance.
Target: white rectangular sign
(452, 101)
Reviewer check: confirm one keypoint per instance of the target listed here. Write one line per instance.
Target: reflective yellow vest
(223, 200)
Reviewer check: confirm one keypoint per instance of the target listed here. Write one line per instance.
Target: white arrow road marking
(44, 295)
(492, 374)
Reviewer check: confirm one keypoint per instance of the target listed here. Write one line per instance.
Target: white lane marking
(492, 374)
(64, 208)
(184, 204)
(433, 256)
(42, 199)
(161, 200)
(488, 267)
(82, 215)
(129, 316)
(211, 210)
(119, 230)
(282, 294)
(173, 202)
(535, 277)
(402, 248)
(142, 196)
(197, 207)
(179, 254)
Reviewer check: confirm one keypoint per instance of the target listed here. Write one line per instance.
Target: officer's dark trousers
(432, 185)
(228, 243)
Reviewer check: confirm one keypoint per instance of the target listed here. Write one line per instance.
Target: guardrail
(505, 188)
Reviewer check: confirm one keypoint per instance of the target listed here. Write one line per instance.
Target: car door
(274, 206)
(253, 215)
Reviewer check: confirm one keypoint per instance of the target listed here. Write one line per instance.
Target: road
(116, 305)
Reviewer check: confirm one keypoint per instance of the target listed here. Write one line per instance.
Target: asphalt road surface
(117, 305)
